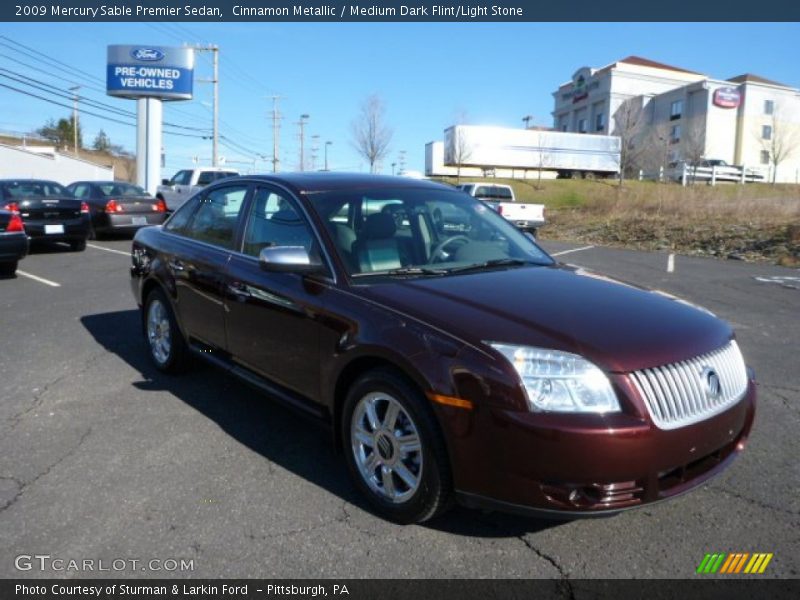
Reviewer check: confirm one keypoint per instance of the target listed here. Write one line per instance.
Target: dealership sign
(150, 72)
(727, 97)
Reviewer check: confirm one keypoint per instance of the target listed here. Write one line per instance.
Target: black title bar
(392, 11)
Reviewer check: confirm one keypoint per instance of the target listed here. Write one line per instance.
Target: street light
(303, 119)
(326, 154)
(394, 164)
(527, 119)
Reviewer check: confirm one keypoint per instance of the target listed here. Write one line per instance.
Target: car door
(198, 260)
(273, 318)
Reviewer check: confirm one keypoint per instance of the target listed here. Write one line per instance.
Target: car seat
(376, 248)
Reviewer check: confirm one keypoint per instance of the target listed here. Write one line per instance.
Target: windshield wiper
(495, 262)
(404, 271)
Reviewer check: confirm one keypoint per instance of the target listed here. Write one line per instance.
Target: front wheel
(165, 341)
(395, 452)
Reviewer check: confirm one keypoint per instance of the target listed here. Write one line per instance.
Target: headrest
(379, 226)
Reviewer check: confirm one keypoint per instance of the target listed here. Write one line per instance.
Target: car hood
(617, 326)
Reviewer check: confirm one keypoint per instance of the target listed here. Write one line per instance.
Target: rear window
(121, 189)
(494, 192)
(34, 189)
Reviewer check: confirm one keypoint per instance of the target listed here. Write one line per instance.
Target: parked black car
(452, 360)
(13, 242)
(117, 206)
(50, 213)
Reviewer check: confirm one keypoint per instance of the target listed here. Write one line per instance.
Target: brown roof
(644, 62)
(755, 79)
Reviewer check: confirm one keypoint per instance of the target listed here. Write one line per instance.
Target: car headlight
(557, 381)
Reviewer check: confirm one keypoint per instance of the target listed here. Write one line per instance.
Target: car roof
(29, 180)
(316, 182)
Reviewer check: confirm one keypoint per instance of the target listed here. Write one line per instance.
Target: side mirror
(288, 259)
(165, 182)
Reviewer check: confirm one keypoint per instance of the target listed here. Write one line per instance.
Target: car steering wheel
(438, 252)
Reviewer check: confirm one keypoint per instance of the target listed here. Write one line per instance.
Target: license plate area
(51, 229)
(138, 220)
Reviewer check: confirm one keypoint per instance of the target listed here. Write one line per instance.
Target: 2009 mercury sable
(450, 356)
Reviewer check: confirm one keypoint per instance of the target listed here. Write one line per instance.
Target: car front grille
(693, 390)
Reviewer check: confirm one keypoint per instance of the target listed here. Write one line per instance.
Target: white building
(683, 115)
(37, 162)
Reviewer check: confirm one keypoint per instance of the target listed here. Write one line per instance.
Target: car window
(226, 174)
(120, 188)
(275, 220)
(35, 189)
(217, 216)
(181, 217)
(181, 178)
(206, 177)
(441, 232)
(80, 190)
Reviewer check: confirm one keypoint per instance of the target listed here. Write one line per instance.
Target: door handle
(239, 290)
(176, 265)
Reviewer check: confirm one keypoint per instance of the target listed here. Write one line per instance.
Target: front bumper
(13, 246)
(570, 466)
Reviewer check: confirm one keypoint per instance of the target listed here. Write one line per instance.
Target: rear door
(199, 260)
(273, 319)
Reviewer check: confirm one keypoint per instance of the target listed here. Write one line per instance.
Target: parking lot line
(108, 249)
(39, 279)
(571, 251)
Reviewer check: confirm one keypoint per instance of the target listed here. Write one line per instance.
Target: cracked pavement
(101, 457)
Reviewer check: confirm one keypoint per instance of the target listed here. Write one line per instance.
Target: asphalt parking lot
(102, 457)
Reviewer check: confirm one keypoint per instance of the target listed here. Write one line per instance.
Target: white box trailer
(568, 154)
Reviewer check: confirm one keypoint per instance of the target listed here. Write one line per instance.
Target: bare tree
(370, 134)
(783, 140)
(693, 144)
(462, 151)
(629, 122)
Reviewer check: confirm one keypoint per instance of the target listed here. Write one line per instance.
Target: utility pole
(527, 120)
(214, 49)
(402, 161)
(314, 151)
(326, 154)
(302, 122)
(74, 90)
(276, 129)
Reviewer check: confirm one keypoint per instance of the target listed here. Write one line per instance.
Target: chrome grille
(683, 393)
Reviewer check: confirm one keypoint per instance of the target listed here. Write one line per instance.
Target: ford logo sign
(148, 54)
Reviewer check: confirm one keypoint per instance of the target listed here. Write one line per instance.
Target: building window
(765, 157)
(581, 125)
(675, 134)
(769, 107)
(599, 122)
(766, 132)
(675, 110)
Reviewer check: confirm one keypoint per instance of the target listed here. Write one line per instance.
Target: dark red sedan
(451, 358)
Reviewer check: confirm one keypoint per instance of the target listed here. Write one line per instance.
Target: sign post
(149, 74)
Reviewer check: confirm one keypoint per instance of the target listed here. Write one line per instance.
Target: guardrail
(686, 174)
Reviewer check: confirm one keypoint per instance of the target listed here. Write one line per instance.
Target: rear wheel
(165, 341)
(394, 450)
(77, 245)
(7, 269)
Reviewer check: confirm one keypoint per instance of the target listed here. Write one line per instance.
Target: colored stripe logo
(734, 563)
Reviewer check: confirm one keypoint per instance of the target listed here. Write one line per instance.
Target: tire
(406, 486)
(165, 343)
(7, 269)
(77, 245)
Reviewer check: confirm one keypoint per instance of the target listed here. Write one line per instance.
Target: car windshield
(121, 189)
(421, 232)
(34, 189)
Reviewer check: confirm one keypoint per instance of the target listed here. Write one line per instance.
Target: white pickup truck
(526, 216)
(186, 182)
